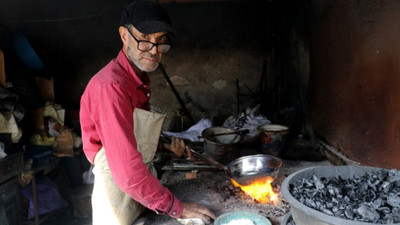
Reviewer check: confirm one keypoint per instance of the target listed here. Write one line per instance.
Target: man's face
(146, 61)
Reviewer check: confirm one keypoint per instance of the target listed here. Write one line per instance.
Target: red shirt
(106, 117)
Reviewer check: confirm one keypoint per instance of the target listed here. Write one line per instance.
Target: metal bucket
(273, 138)
(219, 146)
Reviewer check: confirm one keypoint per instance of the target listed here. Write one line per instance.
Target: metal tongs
(197, 154)
(208, 159)
(237, 132)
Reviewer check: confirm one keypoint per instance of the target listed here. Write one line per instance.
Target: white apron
(110, 205)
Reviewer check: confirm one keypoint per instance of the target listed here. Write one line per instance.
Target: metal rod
(232, 132)
(237, 96)
(208, 160)
(189, 168)
(185, 110)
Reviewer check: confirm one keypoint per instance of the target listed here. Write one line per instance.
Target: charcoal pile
(373, 197)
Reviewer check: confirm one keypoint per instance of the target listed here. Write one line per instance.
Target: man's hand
(178, 147)
(194, 210)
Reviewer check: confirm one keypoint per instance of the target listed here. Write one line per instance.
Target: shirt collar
(125, 64)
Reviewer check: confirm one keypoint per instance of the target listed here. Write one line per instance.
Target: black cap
(147, 17)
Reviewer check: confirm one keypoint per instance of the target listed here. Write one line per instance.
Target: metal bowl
(247, 169)
(231, 216)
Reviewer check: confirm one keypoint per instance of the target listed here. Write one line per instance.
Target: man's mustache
(149, 55)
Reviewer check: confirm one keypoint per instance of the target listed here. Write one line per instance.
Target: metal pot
(219, 146)
(273, 138)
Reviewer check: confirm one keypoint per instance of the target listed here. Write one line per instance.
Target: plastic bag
(2, 150)
(48, 197)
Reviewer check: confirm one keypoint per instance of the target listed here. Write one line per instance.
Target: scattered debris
(215, 190)
(191, 175)
(251, 119)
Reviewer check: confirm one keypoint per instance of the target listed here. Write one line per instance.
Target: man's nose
(153, 50)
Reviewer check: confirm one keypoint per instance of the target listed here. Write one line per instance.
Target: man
(120, 135)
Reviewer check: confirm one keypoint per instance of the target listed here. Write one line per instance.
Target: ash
(233, 198)
(373, 197)
(215, 190)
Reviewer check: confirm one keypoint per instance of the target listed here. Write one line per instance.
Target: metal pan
(247, 169)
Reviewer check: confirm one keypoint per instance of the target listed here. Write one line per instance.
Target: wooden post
(35, 205)
(2, 70)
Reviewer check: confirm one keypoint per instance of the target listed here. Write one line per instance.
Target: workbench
(10, 204)
(214, 189)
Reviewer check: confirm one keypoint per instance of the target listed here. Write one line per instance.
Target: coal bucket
(304, 215)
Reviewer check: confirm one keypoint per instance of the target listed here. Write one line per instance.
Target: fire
(260, 190)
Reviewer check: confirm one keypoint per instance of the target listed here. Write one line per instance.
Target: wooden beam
(2, 70)
(190, 1)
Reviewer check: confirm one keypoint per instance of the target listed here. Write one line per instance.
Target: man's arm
(115, 113)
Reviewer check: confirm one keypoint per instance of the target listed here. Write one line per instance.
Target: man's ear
(123, 33)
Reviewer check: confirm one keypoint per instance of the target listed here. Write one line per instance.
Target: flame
(260, 190)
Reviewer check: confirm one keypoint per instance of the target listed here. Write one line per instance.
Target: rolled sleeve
(175, 209)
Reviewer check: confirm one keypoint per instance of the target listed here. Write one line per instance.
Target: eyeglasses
(146, 46)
